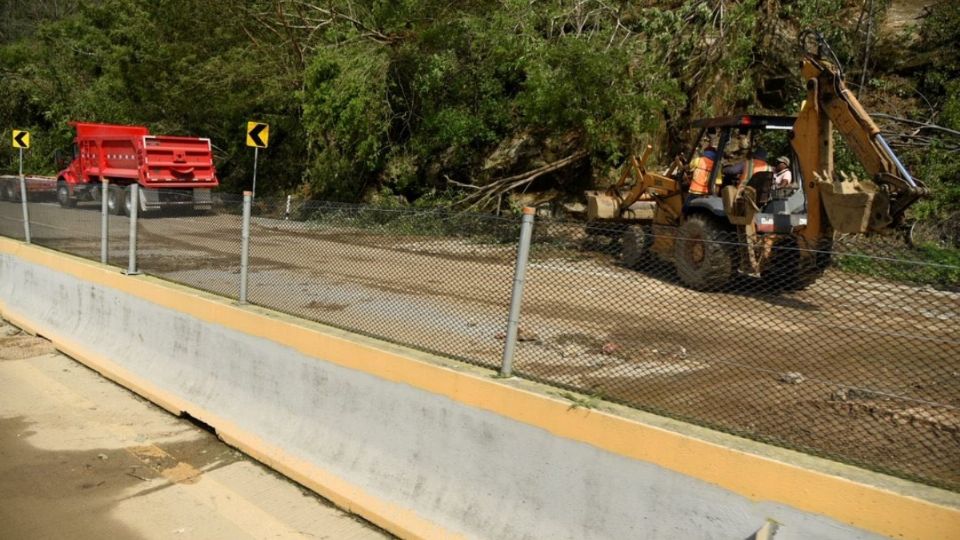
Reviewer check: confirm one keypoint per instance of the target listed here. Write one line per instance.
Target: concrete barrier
(426, 448)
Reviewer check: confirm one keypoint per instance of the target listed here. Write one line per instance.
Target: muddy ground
(857, 368)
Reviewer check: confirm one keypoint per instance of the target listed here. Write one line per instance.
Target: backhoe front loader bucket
(601, 206)
(854, 206)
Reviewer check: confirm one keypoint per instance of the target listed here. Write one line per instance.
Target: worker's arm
(733, 170)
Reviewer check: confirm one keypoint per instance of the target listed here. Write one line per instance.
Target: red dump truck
(172, 171)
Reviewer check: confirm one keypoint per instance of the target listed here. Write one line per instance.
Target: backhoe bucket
(855, 207)
(601, 206)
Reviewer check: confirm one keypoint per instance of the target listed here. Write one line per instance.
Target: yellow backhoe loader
(748, 226)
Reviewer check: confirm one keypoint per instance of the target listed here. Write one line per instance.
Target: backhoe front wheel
(704, 254)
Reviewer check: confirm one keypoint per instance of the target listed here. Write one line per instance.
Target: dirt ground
(857, 368)
(82, 458)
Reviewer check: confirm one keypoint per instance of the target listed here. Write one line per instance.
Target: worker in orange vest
(744, 170)
(701, 167)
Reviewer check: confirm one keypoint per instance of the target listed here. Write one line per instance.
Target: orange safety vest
(758, 166)
(701, 175)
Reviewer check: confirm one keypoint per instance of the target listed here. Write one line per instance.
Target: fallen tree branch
(922, 125)
(486, 193)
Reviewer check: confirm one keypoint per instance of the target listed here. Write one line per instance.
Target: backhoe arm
(830, 105)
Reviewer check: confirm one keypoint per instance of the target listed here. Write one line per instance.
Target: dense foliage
(412, 97)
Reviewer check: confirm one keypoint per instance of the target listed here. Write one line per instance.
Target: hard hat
(784, 159)
(710, 153)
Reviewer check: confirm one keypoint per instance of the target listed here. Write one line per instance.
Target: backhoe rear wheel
(704, 254)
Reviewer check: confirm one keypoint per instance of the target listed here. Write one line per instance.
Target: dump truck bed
(128, 154)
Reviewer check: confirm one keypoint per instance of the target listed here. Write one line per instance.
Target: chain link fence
(860, 364)
(857, 359)
(434, 280)
(193, 244)
(11, 211)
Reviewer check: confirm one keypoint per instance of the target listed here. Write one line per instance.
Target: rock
(576, 208)
(840, 394)
(610, 348)
(102, 457)
(524, 335)
(792, 377)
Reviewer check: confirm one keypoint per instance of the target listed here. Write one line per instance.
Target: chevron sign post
(258, 136)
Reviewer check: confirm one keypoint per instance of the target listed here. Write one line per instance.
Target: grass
(926, 264)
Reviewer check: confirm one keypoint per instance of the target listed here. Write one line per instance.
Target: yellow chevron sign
(258, 134)
(21, 139)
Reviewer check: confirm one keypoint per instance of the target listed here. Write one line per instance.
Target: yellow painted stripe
(756, 477)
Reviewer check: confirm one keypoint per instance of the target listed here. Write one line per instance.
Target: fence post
(104, 193)
(245, 246)
(134, 207)
(23, 202)
(286, 214)
(516, 298)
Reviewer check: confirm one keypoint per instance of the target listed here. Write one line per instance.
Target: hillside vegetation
(416, 98)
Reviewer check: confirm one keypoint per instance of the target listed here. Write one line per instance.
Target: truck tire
(635, 252)
(115, 200)
(13, 191)
(704, 254)
(63, 195)
(127, 199)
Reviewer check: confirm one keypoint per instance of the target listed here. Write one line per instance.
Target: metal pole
(256, 155)
(23, 202)
(245, 246)
(513, 321)
(134, 207)
(104, 193)
(286, 214)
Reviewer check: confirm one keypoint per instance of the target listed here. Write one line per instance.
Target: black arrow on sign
(19, 139)
(255, 135)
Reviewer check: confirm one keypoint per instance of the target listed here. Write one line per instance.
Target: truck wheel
(704, 254)
(636, 247)
(13, 191)
(114, 203)
(63, 195)
(127, 200)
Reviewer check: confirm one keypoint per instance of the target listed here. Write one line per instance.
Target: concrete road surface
(82, 458)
